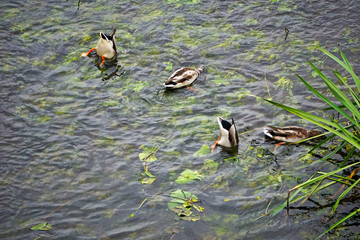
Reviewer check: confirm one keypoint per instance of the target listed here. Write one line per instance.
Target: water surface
(72, 132)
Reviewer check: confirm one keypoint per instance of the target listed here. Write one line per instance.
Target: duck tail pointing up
(112, 33)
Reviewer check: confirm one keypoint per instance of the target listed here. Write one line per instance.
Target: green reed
(346, 105)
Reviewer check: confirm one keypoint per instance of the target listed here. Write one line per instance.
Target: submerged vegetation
(345, 103)
(106, 153)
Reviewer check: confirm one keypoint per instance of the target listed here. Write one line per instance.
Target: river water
(74, 135)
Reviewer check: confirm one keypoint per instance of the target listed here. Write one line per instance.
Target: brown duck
(290, 134)
(182, 77)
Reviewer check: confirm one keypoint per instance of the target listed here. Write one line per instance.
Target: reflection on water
(73, 133)
(118, 72)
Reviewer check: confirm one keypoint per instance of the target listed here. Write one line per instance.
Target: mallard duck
(228, 134)
(290, 134)
(105, 48)
(182, 77)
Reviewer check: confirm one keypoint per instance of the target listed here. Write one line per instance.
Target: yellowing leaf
(148, 154)
(147, 180)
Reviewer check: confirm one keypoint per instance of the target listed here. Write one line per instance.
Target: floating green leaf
(183, 203)
(188, 175)
(149, 174)
(148, 154)
(191, 218)
(147, 180)
(178, 197)
(42, 226)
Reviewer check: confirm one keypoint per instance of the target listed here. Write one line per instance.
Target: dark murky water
(71, 142)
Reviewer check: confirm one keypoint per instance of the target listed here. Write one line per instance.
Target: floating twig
(137, 210)
(78, 8)
(286, 32)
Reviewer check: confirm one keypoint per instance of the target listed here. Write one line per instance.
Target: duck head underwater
(228, 134)
(105, 48)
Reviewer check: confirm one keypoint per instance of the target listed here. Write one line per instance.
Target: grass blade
(353, 94)
(345, 65)
(351, 152)
(335, 151)
(319, 121)
(338, 223)
(339, 106)
(341, 63)
(343, 194)
(337, 93)
(354, 76)
(334, 106)
(311, 192)
(322, 142)
(311, 181)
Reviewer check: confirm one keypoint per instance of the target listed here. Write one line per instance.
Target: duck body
(105, 48)
(228, 134)
(183, 77)
(106, 45)
(290, 134)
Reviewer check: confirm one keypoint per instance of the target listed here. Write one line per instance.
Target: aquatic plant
(42, 226)
(347, 130)
(183, 204)
(188, 175)
(147, 156)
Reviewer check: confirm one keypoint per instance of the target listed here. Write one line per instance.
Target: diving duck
(105, 48)
(290, 134)
(228, 134)
(182, 77)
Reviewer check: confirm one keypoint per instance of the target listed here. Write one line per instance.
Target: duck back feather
(182, 77)
(289, 134)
